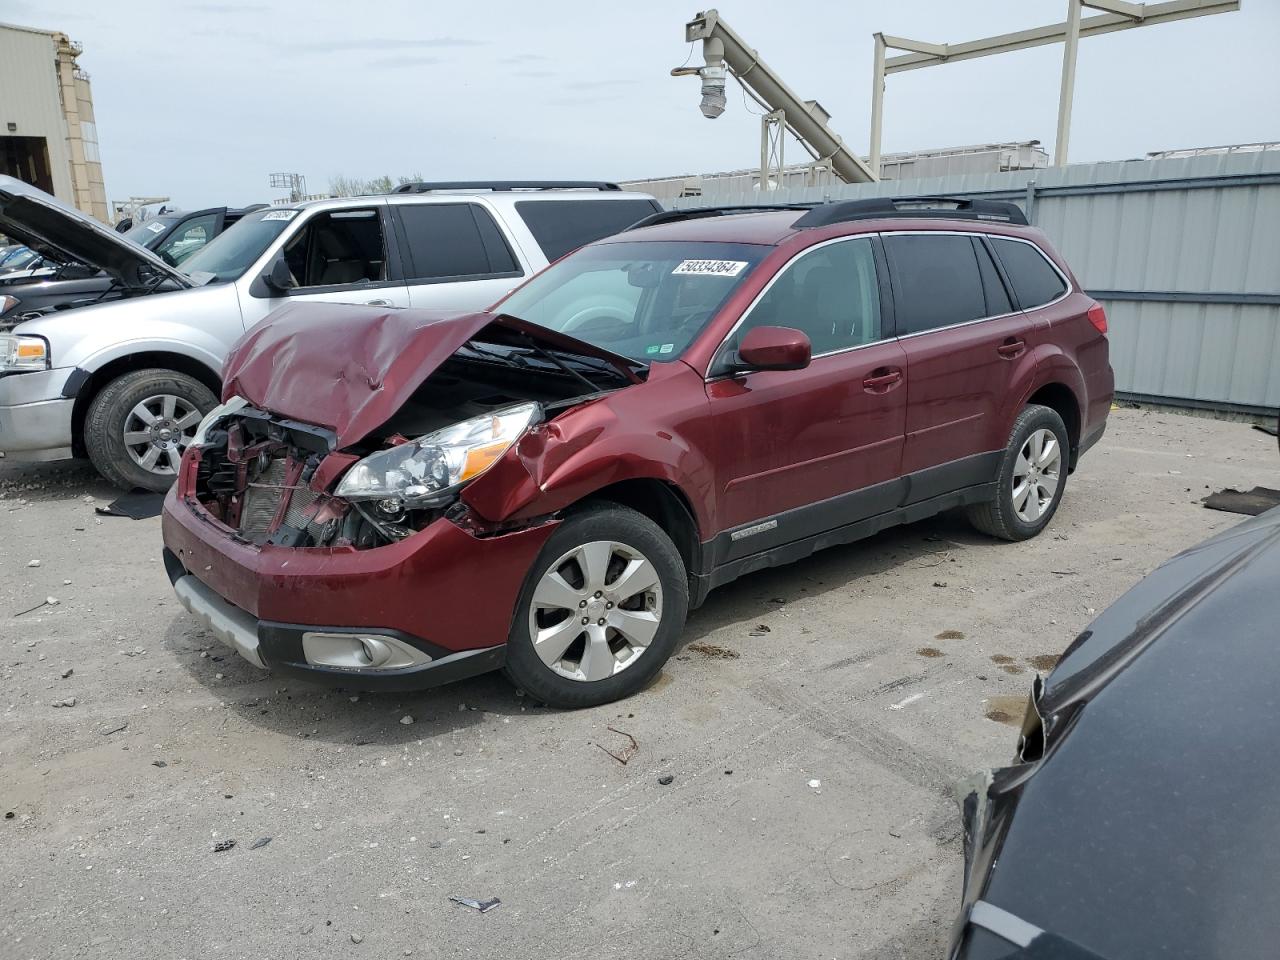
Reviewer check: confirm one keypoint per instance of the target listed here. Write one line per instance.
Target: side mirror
(775, 348)
(278, 279)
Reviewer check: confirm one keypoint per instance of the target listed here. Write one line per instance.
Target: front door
(804, 451)
(966, 344)
(339, 256)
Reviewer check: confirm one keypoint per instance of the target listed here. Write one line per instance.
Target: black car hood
(1148, 827)
(66, 235)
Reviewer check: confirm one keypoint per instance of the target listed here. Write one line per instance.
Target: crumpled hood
(349, 367)
(62, 233)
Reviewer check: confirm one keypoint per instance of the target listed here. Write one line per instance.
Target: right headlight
(438, 462)
(19, 354)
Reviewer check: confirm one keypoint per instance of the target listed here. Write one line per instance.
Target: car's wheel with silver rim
(601, 610)
(1031, 479)
(138, 425)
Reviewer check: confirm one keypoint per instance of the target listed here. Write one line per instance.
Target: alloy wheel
(1036, 475)
(595, 610)
(158, 429)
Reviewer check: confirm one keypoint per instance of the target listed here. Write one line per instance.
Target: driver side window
(830, 293)
(341, 247)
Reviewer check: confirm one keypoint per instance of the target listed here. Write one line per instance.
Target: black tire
(998, 517)
(104, 423)
(602, 521)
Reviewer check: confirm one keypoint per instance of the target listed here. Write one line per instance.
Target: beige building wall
(44, 94)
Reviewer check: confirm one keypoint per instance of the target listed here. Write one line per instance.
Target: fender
(1049, 365)
(127, 348)
(602, 443)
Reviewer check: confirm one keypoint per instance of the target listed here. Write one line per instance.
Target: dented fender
(600, 443)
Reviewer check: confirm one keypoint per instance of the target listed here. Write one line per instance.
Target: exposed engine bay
(283, 482)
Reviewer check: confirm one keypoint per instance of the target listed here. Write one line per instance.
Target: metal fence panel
(1184, 252)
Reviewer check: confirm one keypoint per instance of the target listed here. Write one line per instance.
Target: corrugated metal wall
(1185, 254)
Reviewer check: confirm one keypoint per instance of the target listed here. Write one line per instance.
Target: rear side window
(936, 281)
(453, 241)
(1034, 279)
(560, 226)
(998, 303)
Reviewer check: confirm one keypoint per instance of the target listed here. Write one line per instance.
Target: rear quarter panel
(1076, 355)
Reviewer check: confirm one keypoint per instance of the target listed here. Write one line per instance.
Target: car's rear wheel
(1031, 479)
(138, 425)
(601, 610)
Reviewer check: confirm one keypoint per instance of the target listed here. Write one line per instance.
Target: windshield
(145, 234)
(228, 255)
(643, 300)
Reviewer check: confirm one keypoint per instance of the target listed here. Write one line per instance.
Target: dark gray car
(1139, 819)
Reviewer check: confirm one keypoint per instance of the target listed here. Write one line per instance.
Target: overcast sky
(201, 99)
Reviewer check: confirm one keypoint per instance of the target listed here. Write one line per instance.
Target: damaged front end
(272, 479)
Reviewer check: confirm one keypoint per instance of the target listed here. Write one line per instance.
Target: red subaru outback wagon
(391, 499)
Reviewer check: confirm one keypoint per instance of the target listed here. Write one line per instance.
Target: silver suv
(127, 382)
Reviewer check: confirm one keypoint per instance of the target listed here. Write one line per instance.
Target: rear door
(455, 254)
(966, 345)
(803, 451)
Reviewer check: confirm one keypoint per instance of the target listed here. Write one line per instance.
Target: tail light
(1098, 317)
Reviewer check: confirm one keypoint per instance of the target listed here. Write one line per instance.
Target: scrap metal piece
(484, 906)
(625, 756)
(1256, 501)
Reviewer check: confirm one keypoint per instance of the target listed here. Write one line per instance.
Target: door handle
(882, 380)
(1012, 348)
(378, 303)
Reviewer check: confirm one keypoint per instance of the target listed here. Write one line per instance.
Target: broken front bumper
(432, 608)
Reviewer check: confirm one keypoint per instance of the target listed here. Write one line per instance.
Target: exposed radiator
(302, 498)
(261, 500)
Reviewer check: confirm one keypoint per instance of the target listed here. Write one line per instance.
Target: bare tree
(344, 186)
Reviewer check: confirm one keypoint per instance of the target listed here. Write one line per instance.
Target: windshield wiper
(519, 360)
(111, 288)
(546, 354)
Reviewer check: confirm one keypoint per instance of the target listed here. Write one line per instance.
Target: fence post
(1030, 202)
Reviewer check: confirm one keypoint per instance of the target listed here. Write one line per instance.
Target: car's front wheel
(600, 611)
(138, 425)
(1031, 479)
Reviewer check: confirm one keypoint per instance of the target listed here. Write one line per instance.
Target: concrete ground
(813, 726)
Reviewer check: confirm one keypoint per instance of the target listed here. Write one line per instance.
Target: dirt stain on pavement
(1001, 658)
(929, 652)
(714, 650)
(1007, 710)
(950, 635)
(1045, 661)
(1012, 668)
(663, 679)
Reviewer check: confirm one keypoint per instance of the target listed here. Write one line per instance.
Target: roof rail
(423, 186)
(952, 208)
(698, 213)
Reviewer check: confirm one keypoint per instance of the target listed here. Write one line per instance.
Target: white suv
(127, 382)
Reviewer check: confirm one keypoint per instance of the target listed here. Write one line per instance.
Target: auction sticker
(280, 215)
(156, 227)
(710, 268)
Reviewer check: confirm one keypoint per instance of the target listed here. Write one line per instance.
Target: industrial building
(980, 158)
(47, 132)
